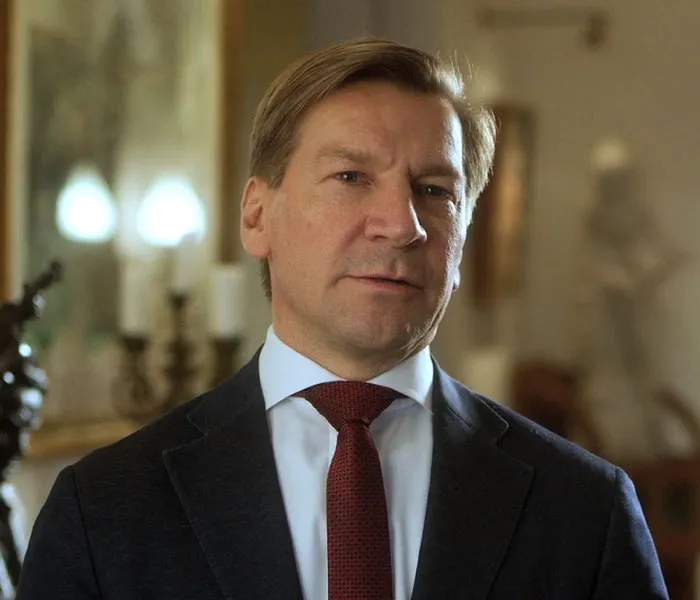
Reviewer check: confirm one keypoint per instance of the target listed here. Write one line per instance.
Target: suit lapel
(476, 495)
(227, 483)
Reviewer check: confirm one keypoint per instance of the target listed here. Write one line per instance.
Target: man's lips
(388, 279)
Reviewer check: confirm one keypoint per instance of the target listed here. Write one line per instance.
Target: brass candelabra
(135, 395)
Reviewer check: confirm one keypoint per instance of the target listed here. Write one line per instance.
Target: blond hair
(316, 76)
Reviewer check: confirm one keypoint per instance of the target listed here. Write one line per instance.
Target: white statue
(627, 261)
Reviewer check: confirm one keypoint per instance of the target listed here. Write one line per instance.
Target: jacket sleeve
(58, 563)
(630, 566)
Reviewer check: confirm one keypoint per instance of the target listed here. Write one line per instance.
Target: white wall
(642, 87)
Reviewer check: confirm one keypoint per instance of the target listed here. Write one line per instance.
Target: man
(366, 164)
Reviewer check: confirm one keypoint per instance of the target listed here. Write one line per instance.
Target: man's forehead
(359, 102)
(364, 123)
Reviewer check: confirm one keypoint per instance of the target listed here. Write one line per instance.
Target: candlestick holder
(225, 351)
(136, 398)
(133, 391)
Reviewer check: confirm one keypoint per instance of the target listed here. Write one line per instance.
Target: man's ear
(457, 276)
(255, 205)
(457, 280)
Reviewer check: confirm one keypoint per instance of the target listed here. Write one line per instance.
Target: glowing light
(170, 210)
(85, 211)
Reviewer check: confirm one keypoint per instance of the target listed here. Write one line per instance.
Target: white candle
(185, 264)
(134, 289)
(227, 299)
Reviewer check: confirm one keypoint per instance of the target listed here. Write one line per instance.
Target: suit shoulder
(543, 446)
(562, 470)
(140, 449)
(537, 445)
(137, 459)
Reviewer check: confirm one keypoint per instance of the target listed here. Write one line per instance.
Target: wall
(274, 34)
(6, 58)
(641, 87)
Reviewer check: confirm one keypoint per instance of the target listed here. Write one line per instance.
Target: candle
(133, 313)
(185, 264)
(227, 301)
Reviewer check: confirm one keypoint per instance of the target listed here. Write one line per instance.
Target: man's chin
(385, 340)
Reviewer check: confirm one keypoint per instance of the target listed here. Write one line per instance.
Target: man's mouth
(388, 280)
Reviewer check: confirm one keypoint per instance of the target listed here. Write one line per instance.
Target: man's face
(364, 236)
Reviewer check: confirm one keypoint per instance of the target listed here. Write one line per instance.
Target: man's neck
(352, 364)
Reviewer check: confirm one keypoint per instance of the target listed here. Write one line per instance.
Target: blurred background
(123, 144)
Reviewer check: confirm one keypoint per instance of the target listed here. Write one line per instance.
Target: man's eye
(433, 191)
(349, 177)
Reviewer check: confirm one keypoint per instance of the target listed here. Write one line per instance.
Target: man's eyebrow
(354, 155)
(439, 170)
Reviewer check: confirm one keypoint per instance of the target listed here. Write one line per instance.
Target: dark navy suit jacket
(190, 508)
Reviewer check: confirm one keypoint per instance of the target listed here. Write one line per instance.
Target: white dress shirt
(304, 443)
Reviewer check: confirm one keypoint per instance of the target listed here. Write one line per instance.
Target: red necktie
(359, 555)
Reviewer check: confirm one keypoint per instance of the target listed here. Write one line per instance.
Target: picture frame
(498, 233)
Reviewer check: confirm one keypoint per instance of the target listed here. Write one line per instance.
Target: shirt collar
(284, 372)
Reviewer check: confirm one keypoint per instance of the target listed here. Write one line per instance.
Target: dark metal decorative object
(136, 398)
(22, 388)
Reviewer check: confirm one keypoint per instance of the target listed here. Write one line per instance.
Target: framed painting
(500, 219)
(100, 97)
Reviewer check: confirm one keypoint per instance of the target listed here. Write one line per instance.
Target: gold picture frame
(498, 232)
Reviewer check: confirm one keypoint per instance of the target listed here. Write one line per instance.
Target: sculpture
(22, 388)
(627, 262)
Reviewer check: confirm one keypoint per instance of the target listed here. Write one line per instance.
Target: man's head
(366, 162)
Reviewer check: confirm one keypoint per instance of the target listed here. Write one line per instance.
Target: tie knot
(341, 402)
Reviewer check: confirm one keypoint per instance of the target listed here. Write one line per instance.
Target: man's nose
(393, 215)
